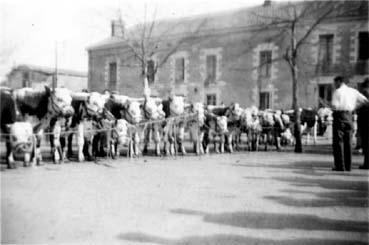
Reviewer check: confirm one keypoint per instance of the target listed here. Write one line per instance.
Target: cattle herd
(105, 125)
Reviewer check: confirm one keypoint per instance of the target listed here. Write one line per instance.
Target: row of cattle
(102, 123)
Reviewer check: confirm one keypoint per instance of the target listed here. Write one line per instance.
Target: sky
(32, 31)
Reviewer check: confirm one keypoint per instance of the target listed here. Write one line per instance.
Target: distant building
(36, 76)
(232, 58)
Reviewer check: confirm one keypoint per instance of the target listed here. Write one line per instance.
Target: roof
(232, 19)
(50, 70)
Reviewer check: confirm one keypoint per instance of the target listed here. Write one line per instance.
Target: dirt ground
(244, 198)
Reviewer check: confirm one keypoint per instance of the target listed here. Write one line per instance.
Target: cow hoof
(12, 166)
(81, 158)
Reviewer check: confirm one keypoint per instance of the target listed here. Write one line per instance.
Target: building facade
(36, 76)
(232, 58)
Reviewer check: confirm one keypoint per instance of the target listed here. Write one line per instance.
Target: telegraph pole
(55, 77)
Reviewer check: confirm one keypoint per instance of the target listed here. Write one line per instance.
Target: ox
(197, 127)
(37, 106)
(128, 113)
(250, 124)
(89, 117)
(153, 111)
(174, 129)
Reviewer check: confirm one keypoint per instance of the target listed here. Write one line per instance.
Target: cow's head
(177, 105)
(121, 128)
(267, 118)
(21, 138)
(95, 104)
(153, 109)
(235, 111)
(133, 111)
(60, 101)
(198, 108)
(324, 113)
(285, 119)
(222, 124)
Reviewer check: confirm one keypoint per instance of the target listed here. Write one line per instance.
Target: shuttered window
(113, 75)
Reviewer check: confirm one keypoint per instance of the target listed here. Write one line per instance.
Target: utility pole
(55, 77)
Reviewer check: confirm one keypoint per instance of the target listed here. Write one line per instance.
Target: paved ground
(244, 198)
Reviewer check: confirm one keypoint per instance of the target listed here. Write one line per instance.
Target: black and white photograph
(196, 122)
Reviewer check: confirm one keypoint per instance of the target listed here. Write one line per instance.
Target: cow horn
(120, 99)
(140, 100)
(81, 96)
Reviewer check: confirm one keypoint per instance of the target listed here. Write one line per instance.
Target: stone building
(36, 76)
(233, 56)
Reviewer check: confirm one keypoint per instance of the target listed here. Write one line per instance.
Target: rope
(145, 124)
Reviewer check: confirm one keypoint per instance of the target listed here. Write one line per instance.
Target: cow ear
(48, 90)
(8, 127)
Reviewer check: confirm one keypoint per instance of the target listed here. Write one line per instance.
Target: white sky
(29, 29)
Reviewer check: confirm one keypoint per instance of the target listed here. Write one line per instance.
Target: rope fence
(184, 117)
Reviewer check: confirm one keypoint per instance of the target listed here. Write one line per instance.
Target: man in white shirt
(344, 101)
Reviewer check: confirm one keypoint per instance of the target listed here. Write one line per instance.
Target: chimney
(267, 3)
(117, 28)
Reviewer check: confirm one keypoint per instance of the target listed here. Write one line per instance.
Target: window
(179, 72)
(264, 100)
(325, 94)
(363, 46)
(211, 99)
(112, 75)
(325, 52)
(265, 64)
(211, 68)
(25, 79)
(150, 71)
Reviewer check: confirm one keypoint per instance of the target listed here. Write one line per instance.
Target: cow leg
(27, 159)
(172, 149)
(38, 154)
(230, 146)
(11, 163)
(146, 140)
(9, 154)
(222, 143)
(201, 139)
(157, 142)
(180, 139)
(80, 142)
(70, 145)
(136, 144)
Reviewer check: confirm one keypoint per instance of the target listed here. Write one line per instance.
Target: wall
(237, 79)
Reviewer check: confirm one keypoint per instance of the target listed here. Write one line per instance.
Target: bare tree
(294, 23)
(149, 38)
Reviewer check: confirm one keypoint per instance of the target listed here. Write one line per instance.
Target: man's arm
(360, 99)
(335, 100)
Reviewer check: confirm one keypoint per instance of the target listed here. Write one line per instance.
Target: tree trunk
(295, 105)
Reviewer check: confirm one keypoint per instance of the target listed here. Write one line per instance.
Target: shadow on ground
(262, 220)
(222, 239)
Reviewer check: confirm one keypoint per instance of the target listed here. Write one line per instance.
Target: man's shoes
(364, 167)
(338, 169)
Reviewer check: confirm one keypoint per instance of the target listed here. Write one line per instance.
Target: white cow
(22, 142)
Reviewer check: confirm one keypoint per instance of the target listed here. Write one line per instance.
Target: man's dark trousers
(364, 134)
(342, 131)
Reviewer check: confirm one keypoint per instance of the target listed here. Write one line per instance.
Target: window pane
(112, 75)
(325, 51)
(211, 67)
(150, 71)
(211, 99)
(179, 70)
(264, 100)
(265, 63)
(363, 45)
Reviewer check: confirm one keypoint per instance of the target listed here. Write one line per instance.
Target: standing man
(363, 124)
(344, 101)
